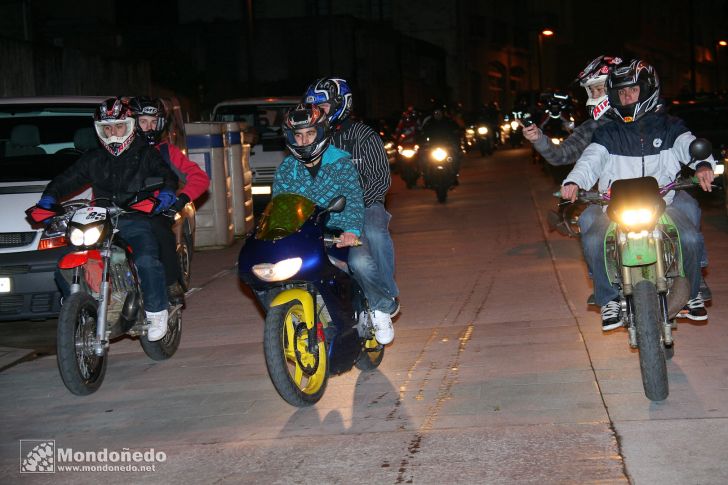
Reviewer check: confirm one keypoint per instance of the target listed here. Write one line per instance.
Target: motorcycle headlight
(719, 169)
(389, 145)
(514, 125)
(506, 127)
(408, 153)
(87, 236)
(438, 154)
(556, 141)
(282, 270)
(637, 217)
(482, 130)
(471, 131)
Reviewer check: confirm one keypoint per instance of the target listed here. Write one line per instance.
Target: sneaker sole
(395, 312)
(697, 319)
(612, 326)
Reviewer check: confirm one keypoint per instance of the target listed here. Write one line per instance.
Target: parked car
(263, 118)
(39, 138)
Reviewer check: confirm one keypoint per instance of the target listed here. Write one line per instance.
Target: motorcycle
(105, 299)
(317, 322)
(482, 136)
(643, 258)
(407, 161)
(512, 128)
(439, 164)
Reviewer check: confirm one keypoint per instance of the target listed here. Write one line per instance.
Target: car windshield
(283, 216)
(266, 119)
(38, 143)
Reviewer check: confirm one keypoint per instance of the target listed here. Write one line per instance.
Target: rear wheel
(81, 369)
(650, 342)
(298, 371)
(184, 259)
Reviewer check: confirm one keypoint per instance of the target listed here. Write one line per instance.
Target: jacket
(337, 176)
(193, 180)
(569, 150)
(116, 178)
(656, 145)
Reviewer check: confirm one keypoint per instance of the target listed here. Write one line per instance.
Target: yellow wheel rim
(306, 369)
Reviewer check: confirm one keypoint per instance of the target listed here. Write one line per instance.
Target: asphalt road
(499, 372)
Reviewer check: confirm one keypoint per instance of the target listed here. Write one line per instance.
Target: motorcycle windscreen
(284, 215)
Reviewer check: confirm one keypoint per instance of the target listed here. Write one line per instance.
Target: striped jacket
(656, 146)
(368, 155)
(569, 150)
(337, 176)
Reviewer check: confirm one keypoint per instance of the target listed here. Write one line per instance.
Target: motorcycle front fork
(101, 343)
(661, 284)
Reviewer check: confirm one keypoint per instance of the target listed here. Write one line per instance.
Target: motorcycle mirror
(700, 149)
(337, 204)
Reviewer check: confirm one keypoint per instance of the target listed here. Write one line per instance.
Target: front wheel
(81, 369)
(165, 348)
(650, 342)
(299, 372)
(441, 191)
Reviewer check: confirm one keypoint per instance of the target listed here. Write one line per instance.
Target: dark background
(393, 52)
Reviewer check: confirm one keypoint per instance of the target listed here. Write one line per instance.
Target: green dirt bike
(644, 259)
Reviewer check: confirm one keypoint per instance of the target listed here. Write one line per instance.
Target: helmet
(145, 106)
(634, 73)
(334, 91)
(595, 74)
(107, 118)
(306, 116)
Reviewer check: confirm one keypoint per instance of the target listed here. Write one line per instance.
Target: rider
(593, 79)
(152, 125)
(441, 128)
(328, 173)
(643, 141)
(116, 173)
(372, 263)
(407, 127)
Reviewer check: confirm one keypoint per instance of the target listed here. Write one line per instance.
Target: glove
(181, 202)
(46, 202)
(166, 198)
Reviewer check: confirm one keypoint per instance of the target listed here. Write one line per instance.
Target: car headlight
(719, 169)
(282, 270)
(556, 141)
(86, 236)
(637, 217)
(482, 130)
(514, 125)
(439, 154)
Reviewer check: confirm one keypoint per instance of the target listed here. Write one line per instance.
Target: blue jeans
(138, 233)
(372, 263)
(594, 223)
(690, 207)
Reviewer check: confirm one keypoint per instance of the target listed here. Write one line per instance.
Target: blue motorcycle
(317, 319)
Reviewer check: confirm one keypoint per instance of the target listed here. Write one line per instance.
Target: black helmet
(111, 114)
(334, 91)
(145, 106)
(301, 117)
(634, 73)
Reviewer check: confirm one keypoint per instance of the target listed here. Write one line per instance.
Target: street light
(541, 35)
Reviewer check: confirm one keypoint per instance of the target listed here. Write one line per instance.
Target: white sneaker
(157, 325)
(383, 330)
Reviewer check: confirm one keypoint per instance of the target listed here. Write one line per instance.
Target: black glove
(182, 201)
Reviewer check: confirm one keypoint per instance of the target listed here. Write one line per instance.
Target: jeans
(138, 233)
(372, 263)
(690, 207)
(162, 227)
(594, 223)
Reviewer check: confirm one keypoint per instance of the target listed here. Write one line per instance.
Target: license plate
(4, 285)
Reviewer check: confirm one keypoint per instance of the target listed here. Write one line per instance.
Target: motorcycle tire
(649, 339)
(165, 348)
(184, 259)
(441, 191)
(299, 376)
(371, 355)
(81, 369)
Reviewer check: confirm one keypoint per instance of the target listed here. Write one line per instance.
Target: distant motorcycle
(407, 161)
(439, 167)
(317, 322)
(105, 300)
(482, 137)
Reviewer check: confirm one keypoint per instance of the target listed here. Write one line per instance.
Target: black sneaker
(590, 300)
(611, 316)
(694, 310)
(395, 312)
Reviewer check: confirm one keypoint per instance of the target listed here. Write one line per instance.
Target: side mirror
(700, 149)
(337, 204)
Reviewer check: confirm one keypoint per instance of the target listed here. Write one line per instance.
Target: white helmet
(596, 74)
(114, 125)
